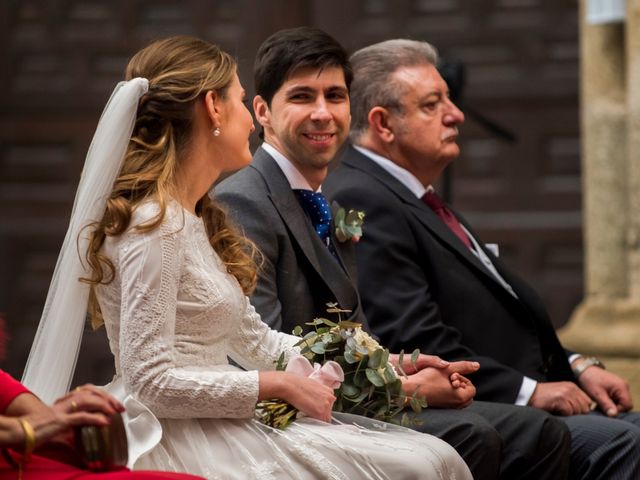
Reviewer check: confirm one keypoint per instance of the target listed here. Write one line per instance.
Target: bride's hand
(308, 396)
(311, 397)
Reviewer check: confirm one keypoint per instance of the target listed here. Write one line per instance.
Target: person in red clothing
(26, 422)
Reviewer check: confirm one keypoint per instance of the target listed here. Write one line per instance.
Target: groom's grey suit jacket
(299, 275)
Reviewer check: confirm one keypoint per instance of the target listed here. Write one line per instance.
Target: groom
(302, 79)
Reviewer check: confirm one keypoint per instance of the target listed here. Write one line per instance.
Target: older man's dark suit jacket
(421, 287)
(300, 274)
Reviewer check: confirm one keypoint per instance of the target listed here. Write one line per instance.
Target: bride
(169, 278)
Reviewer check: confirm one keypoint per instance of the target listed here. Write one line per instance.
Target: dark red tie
(439, 208)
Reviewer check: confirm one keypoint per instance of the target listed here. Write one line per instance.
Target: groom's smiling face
(309, 116)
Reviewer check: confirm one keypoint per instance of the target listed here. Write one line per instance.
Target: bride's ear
(213, 107)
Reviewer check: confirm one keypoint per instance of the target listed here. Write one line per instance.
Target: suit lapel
(418, 209)
(302, 231)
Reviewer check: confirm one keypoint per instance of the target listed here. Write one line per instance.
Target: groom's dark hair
(286, 51)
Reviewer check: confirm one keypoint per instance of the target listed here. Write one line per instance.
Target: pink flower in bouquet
(329, 374)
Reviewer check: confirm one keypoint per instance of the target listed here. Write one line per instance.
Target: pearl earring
(216, 132)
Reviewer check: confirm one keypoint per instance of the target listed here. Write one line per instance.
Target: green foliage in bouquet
(371, 386)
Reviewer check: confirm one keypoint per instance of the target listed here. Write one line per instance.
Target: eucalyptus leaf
(330, 323)
(318, 348)
(360, 379)
(414, 356)
(361, 397)
(297, 331)
(350, 357)
(347, 324)
(374, 377)
(375, 360)
(315, 321)
(310, 336)
(401, 357)
(385, 357)
(350, 391)
(401, 363)
(389, 375)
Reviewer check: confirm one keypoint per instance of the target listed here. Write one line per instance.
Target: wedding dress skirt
(173, 316)
(308, 449)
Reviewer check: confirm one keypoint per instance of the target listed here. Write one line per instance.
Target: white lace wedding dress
(173, 314)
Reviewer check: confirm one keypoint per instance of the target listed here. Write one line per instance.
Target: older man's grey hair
(373, 69)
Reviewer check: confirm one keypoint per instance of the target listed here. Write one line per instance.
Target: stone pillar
(633, 144)
(607, 323)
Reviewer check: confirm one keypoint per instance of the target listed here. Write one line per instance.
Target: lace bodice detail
(174, 314)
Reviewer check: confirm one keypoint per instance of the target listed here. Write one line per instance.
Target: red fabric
(41, 468)
(440, 209)
(9, 389)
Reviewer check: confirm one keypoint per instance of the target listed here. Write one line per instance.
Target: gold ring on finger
(74, 406)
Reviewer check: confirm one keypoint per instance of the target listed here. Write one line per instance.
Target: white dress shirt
(295, 178)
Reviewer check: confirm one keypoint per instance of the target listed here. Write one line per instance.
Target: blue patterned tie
(316, 206)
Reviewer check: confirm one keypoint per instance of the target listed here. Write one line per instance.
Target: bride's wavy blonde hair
(180, 70)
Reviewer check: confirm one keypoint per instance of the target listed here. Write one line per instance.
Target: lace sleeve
(150, 269)
(258, 346)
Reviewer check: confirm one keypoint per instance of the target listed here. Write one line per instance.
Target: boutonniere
(349, 225)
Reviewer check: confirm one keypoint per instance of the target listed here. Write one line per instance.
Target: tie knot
(317, 208)
(433, 201)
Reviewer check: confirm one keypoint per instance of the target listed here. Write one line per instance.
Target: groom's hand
(436, 386)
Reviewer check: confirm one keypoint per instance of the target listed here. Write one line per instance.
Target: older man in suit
(427, 281)
(302, 78)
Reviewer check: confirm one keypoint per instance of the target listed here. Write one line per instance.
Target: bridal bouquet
(369, 384)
